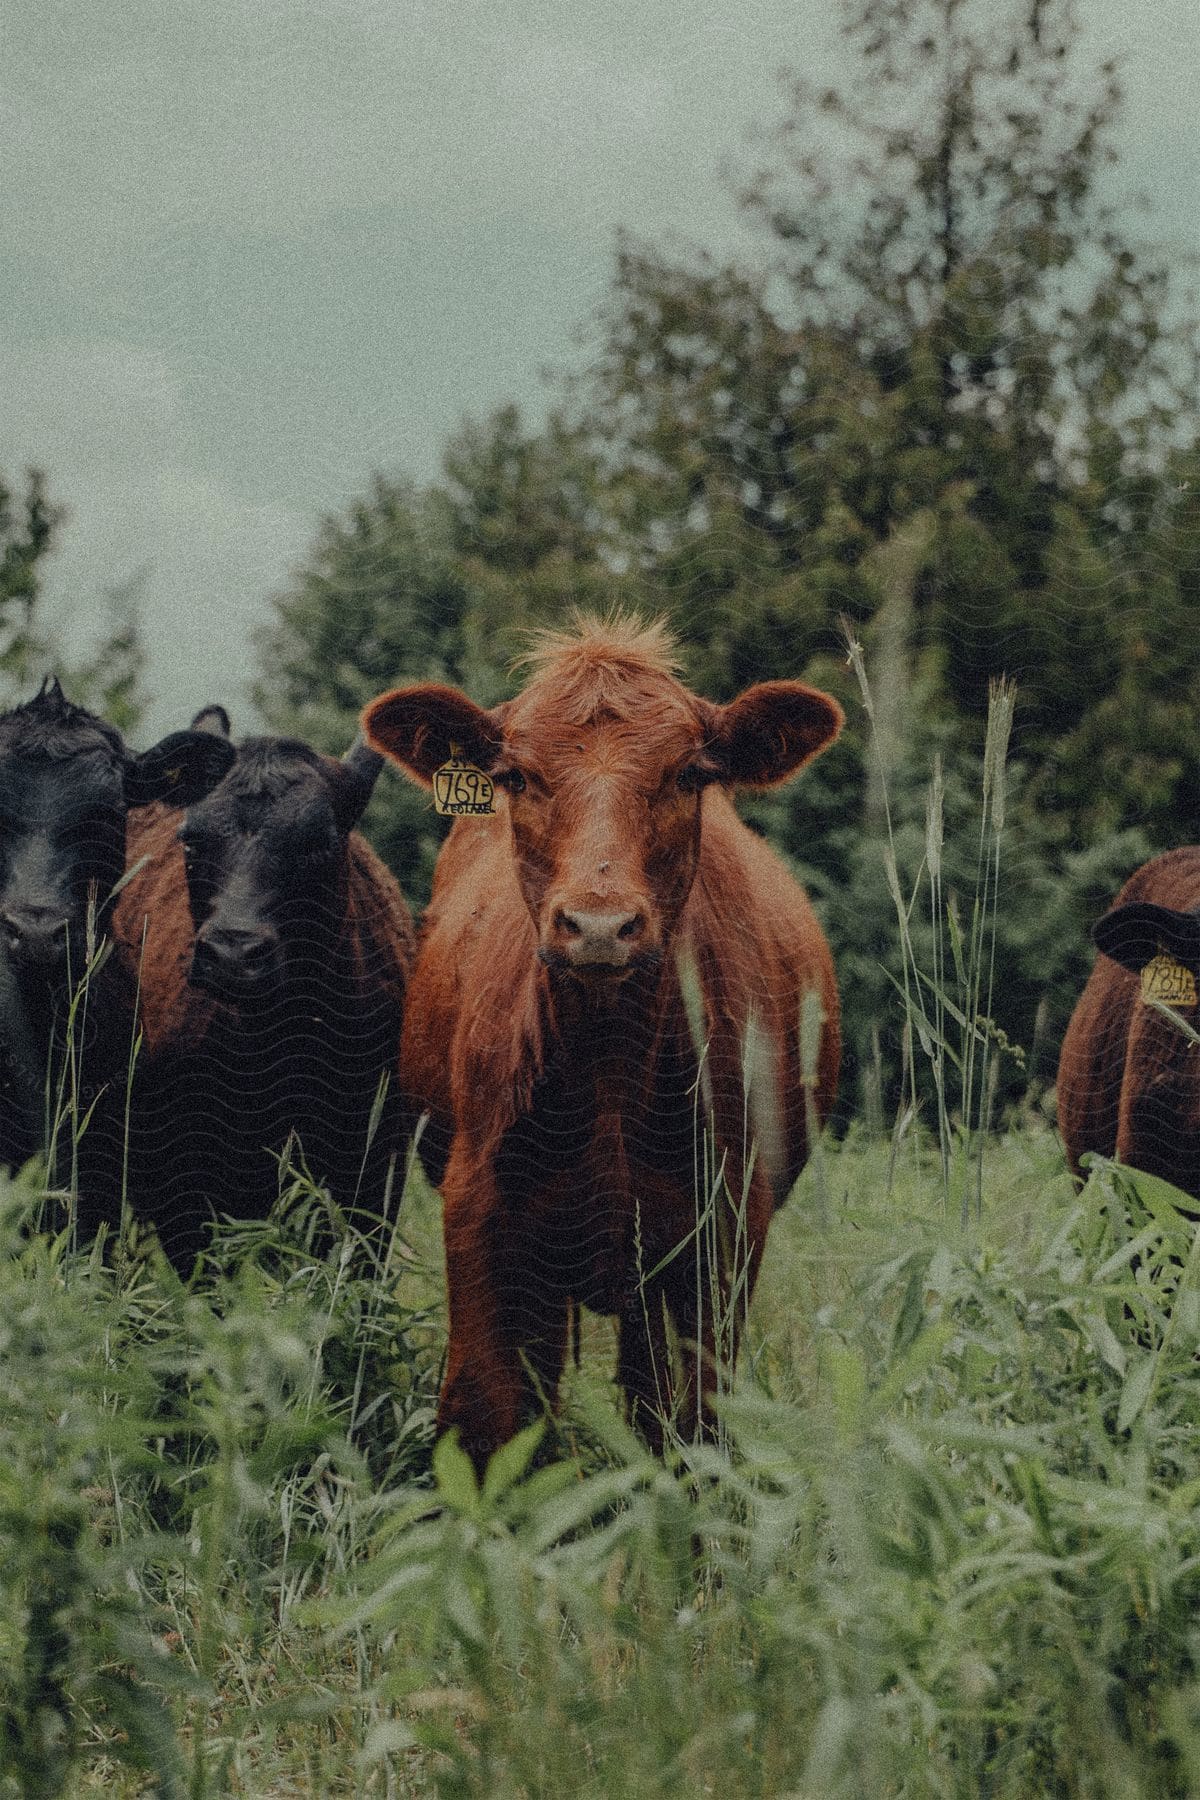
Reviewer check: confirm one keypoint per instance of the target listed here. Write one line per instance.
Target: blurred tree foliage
(953, 401)
(110, 679)
(29, 523)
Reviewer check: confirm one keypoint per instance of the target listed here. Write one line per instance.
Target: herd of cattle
(602, 1016)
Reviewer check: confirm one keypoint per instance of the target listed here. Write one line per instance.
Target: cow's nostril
(591, 940)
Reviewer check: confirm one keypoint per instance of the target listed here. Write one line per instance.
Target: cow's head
(602, 764)
(265, 855)
(67, 783)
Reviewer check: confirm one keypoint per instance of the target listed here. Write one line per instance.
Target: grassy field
(947, 1544)
(951, 1546)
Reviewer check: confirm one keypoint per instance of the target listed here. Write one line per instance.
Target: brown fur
(567, 1115)
(1128, 1080)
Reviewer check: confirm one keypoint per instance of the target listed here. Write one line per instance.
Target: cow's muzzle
(36, 937)
(236, 963)
(596, 942)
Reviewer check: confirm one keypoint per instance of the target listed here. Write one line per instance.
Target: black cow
(274, 950)
(68, 786)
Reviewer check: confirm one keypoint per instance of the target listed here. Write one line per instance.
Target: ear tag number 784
(1166, 980)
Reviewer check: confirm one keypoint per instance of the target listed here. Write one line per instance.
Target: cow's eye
(692, 777)
(316, 846)
(512, 779)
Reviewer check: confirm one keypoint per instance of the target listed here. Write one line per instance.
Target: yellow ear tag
(460, 790)
(1166, 980)
(173, 775)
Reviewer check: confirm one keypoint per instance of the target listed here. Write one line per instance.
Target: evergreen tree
(947, 317)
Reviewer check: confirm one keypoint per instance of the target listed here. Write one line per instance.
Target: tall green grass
(177, 1467)
(947, 1005)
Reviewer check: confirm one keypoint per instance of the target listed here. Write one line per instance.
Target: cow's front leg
(644, 1363)
(708, 1289)
(508, 1319)
(706, 1332)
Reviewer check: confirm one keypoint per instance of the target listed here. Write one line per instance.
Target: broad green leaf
(511, 1460)
(455, 1475)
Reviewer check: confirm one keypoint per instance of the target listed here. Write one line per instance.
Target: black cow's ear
(353, 782)
(418, 727)
(1133, 935)
(181, 769)
(213, 719)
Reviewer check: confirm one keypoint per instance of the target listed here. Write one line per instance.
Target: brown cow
(613, 912)
(273, 949)
(1128, 1077)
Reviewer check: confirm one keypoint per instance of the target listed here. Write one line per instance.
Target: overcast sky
(254, 250)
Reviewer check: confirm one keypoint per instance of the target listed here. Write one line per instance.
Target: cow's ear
(1133, 935)
(771, 731)
(213, 719)
(353, 780)
(416, 727)
(181, 769)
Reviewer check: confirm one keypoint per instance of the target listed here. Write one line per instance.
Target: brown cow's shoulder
(471, 1020)
(1091, 1064)
(761, 950)
(1169, 879)
(378, 918)
(1128, 1082)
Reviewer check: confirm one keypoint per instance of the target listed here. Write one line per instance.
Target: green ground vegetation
(949, 1545)
(947, 1540)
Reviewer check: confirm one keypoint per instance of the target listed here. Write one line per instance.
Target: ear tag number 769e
(460, 790)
